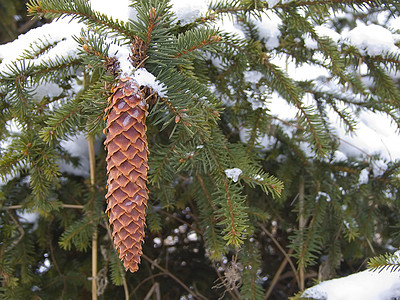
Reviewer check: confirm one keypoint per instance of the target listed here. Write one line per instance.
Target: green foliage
(385, 261)
(203, 228)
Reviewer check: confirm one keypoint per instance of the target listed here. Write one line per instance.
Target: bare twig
(20, 229)
(195, 295)
(155, 289)
(277, 275)
(265, 230)
(21, 206)
(92, 164)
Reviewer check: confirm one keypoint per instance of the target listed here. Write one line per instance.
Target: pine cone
(127, 167)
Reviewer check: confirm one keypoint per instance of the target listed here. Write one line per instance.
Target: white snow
(48, 89)
(364, 177)
(119, 9)
(143, 77)
(366, 285)
(228, 25)
(122, 53)
(375, 134)
(268, 28)
(233, 174)
(379, 167)
(252, 76)
(371, 39)
(60, 31)
(323, 195)
(76, 146)
(321, 31)
(324, 31)
(271, 3)
(26, 216)
(188, 11)
(309, 42)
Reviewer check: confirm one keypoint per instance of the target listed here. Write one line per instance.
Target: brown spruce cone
(127, 167)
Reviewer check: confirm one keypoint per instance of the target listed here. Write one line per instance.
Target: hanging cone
(127, 167)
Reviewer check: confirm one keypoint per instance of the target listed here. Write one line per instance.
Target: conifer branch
(231, 210)
(370, 3)
(81, 10)
(384, 262)
(253, 136)
(201, 42)
(291, 92)
(59, 125)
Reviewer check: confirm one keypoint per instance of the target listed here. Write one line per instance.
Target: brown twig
(286, 255)
(195, 295)
(21, 206)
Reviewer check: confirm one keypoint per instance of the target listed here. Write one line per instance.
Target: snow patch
(143, 77)
(188, 11)
(364, 177)
(268, 28)
(323, 195)
(379, 167)
(76, 146)
(58, 32)
(233, 174)
(119, 9)
(122, 53)
(371, 39)
(226, 24)
(252, 76)
(366, 285)
(328, 32)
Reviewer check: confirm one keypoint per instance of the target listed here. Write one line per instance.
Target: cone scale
(127, 150)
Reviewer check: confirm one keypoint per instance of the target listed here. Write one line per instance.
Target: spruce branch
(344, 3)
(194, 40)
(385, 261)
(292, 93)
(82, 11)
(207, 209)
(62, 122)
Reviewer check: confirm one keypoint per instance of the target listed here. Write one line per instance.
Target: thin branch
(302, 226)
(278, 274)
(145, 280)
(155, 289)
(286, 255)
(92, 165)
(76, 206)
(20, 229)
(196, 296)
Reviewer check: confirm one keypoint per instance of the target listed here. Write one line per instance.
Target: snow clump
(188, 11)
(233, 174)
(143, 77)
(268, 29)
(371, 39)
(365, 285)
